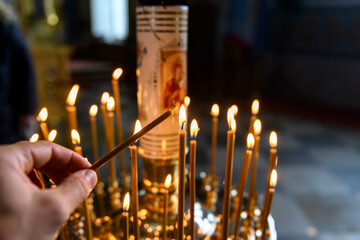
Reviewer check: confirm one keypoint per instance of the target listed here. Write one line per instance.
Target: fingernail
(90, 176)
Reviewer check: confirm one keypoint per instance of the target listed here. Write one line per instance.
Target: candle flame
(167, 181)
(215, 110)
(117, 73)
(110, 106)
(233, 124)
(52, 135)
(273, 178)
(93, 110)
(72, 95)
(194, 128)
(187, 101)
(137, 126)
(230, 119)
(43, 114)
(257, 127)
(255, 107)
(75, 137)
(273, 139)
(34, 138)
(250, 141)
(235, 109)
(126, 203)
(104, 98)
(182, 116)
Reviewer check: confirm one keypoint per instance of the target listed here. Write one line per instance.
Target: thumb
(75, 188)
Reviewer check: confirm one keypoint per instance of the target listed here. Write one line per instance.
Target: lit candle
(93, 112)
(257, 131)
(214, 113)
(254, 113)
(116, 92)
(234, 109)
(187, 103)
(273, 155)
(134, 182)
(104, 99)
(110, 117)
(242, 180)
(70, 107)
(125, 214)
(228, 173)
(52, 135)
(181, 187)
(166, 200)
(41, 118)
(75, 137)
(34, 138)
(267, 202)
(194, 131)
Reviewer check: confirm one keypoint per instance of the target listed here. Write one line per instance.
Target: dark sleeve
(22, 73)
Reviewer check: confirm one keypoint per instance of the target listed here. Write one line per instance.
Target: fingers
(75, 188)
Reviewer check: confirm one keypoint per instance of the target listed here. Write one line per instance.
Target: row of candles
(109, 104)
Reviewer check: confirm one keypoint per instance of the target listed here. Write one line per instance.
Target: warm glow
(273, 139)
(75, 137)
(233, 124)
(137, 126)
(255, 107)
(110, 106)
(182, 116)
(43, 114)
(215, 110)
(93, 110)
(52, 135)
(167, 181)
(104, 98)
(72, 95)
(257, 127)
(230, 119)
(194, 128)
(273, 178)
(117, 73)
(250, 141)
(34, 138)
(126, 203)
(187, 101)
(235, 109)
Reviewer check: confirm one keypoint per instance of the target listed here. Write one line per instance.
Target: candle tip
(117, 73)
(273, 178)
(167, 181)
(52, 135)
(126, 203)
(182, 116)
(75, 137)
(110, 105)
(215, 110)
(43, 114)
(93, 110)
(194, 129)
(72, 95)
(187, 101)
(104, 98)
(273, 139)
(255, 107)
(250, 141)
(257, 127)
(34, 138)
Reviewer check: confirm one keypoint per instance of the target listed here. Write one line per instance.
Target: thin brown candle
(228, 174)
(257, 131)
(134, 183)
(194, 129)
(166, 200)
(268, 201)
(132, 139)
(214, 113)
(70, 107)
(125, 216)
(273, 155)
(110, 116)
(94, 141)
(254, 112)
(116, 92)
(104, 99)
(242, 180)
(181, 187)
(41, 118)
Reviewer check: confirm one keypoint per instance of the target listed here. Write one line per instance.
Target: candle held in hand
(41, 118)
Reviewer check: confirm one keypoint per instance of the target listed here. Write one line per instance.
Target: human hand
(28, 212)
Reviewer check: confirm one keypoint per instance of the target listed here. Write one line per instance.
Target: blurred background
(300, 58)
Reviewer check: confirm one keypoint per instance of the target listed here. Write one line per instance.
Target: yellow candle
(116, 92)
(257, 131)
(41, 118)
(181, 187)
(75, 137)
(70, 107)
(254, 113)
(267, 203)
(110, 136)
(93, 112)
(134, 182)
(228, 174)
(125, 215)
(242, 180)
(273, 155)
(52, 135)
(194, 131)
(104, 99)
(166, 200)
(215, 120)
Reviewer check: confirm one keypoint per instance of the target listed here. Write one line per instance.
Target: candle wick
(183, 124)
